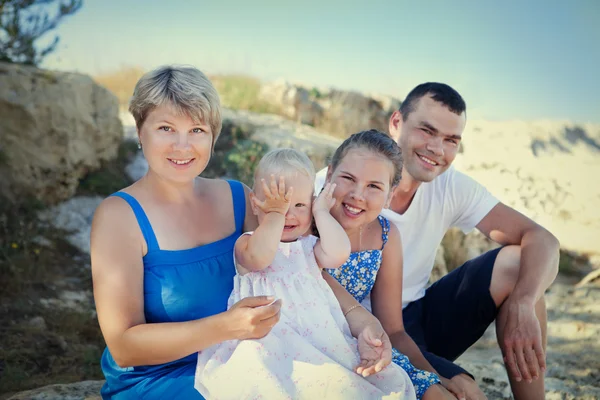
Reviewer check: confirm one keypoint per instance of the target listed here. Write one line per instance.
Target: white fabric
(309, 354)
(451, 200)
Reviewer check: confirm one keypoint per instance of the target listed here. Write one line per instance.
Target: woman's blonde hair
(185, 88)
(284, 162)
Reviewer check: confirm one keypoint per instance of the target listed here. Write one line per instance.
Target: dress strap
(142, 220)
(385, 229)
(239, 204)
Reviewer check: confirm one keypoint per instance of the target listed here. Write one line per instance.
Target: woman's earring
(139, 145)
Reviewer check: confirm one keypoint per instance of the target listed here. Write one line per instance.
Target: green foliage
(315, 93)
(23, 22)
(241, 161)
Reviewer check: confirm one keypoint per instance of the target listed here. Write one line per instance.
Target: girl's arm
(117, 248)
(386, 301)
(333, 247)
(374, 345)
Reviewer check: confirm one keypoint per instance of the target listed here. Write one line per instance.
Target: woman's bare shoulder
(114, 218)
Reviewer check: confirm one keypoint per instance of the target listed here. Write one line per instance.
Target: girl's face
(176, 148)
(362, 189)
(298, 219)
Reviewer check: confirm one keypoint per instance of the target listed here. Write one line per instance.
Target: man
(506, 284)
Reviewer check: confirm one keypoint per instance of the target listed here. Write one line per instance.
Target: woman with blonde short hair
(162, 251)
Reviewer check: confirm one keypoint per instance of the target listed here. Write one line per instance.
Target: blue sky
(534, 59)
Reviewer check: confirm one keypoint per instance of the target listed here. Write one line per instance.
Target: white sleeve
(320, 180)
(310, 240)
(470, 201)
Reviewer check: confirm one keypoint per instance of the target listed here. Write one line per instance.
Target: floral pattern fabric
(358, 275)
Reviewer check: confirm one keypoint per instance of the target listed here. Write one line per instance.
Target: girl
(310, 353)
(365, 169)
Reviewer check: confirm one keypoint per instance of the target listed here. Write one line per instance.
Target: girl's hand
(374, 348)
(254, 317)
(325, 200)
(276, 198)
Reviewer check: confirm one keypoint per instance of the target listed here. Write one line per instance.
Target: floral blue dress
(358, 276)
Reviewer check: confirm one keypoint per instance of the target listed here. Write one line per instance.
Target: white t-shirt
(451, 200)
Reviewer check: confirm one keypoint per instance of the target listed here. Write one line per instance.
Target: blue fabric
(358, 275)
(179, 285)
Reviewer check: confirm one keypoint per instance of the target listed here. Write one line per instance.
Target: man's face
(429, 139)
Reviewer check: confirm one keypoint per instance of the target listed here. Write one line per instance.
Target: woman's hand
(374, 348)
(254, 317)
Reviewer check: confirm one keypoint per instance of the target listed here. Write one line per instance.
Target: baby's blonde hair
(284, 162)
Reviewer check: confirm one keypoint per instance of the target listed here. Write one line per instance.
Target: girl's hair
(283, 162)
(185, 88)
(375, 141)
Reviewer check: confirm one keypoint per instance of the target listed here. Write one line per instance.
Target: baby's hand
(325, 200)
(276, 198)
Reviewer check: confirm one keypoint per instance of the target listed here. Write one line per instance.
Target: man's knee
(505, 273)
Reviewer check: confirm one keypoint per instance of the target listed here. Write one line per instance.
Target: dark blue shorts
(454, 313)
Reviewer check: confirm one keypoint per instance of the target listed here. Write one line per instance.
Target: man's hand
(276, 198)
(522, 348)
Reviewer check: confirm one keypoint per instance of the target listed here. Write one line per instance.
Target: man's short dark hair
(439, 92)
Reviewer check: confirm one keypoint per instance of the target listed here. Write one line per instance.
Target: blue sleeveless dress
(358, 275)
(179, 285)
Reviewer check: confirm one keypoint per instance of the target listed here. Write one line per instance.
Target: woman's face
(176, 148)
(362, 189)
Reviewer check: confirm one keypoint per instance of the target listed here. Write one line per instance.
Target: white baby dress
(309, 353)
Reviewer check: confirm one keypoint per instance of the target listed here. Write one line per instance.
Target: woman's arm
(386, 300)
(117, 247)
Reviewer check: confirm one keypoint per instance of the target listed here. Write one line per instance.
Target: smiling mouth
(352, 210)
(289, 227)
(181, 162)
(428, 160)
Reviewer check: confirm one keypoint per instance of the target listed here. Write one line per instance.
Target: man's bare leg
(525, 390)
(504, 278)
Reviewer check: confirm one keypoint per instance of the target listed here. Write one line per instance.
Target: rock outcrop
(338, 112)
(54, 128)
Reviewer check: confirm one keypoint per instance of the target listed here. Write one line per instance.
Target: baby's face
(298, 219)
